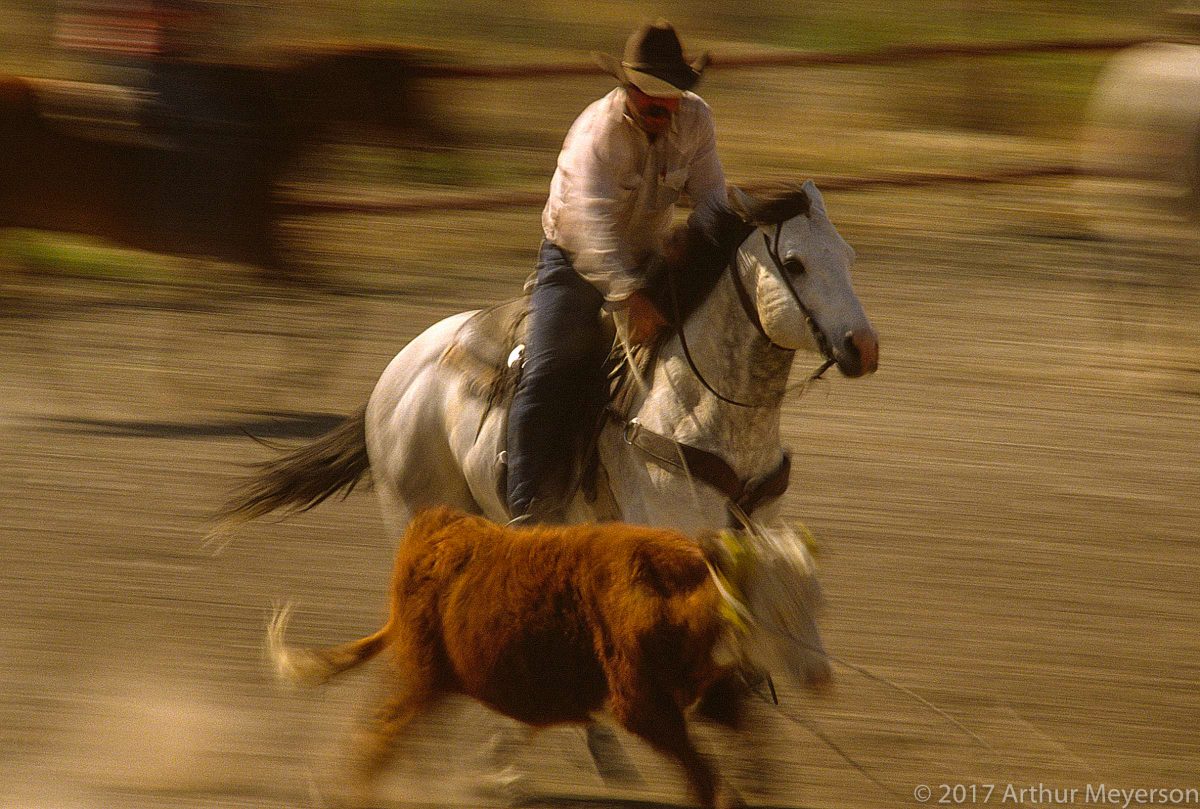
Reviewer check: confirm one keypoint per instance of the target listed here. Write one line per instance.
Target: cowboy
(625, 162)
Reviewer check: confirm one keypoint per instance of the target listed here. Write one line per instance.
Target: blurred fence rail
(890, 54)
(332, 134)
(518, 199)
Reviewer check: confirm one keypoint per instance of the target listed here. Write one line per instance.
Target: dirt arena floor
(1007, 516)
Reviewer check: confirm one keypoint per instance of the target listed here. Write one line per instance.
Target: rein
(687, 353)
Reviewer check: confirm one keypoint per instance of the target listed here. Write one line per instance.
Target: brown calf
(550, 624)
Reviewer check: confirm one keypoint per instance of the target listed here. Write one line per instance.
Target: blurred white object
(1144, 120)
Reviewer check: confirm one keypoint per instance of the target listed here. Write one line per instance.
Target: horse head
(795, 270)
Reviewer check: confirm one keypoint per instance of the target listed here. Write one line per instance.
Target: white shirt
(614, 191)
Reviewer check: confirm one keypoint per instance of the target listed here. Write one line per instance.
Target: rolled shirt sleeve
(601, 255)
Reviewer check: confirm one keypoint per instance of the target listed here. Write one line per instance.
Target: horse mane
(697, 253)
(779, 206)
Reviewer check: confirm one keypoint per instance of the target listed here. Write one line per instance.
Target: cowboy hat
(654, 62)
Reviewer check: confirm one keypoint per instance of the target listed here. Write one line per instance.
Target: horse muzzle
(858, 354)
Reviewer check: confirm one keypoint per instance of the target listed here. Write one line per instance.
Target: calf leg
(724, 702)
(374, 744)
(660, 722)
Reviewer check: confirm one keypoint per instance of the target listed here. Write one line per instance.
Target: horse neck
(737, 361)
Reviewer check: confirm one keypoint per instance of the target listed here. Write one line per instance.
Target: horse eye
(794, 266)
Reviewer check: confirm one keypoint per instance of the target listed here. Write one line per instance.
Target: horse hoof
(610, 759)
(509, 786)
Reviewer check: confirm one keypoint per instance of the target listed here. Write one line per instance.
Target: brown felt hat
(653, 61)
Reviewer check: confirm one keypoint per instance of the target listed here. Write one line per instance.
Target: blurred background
(221, 217)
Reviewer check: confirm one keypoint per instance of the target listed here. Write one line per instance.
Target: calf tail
(303, 478)
(309, 667)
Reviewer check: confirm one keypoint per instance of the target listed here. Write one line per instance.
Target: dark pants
(561, 387)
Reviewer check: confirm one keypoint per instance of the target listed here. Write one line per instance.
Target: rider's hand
(675, 249)
(643, 318)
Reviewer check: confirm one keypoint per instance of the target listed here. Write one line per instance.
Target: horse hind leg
(400, 499)
(507, 781)
(417, 464)
(504, 780)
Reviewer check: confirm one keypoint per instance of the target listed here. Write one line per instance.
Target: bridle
(751, 312)
(742, 495)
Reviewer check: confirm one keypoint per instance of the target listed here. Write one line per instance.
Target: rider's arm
(706, 178)
(602, 257)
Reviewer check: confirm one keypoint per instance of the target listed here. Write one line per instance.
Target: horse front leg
(612, 763)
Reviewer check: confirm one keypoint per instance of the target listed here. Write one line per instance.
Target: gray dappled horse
(701, 437)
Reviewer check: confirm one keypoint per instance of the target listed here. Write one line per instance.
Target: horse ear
(814, 195)
(742, 204)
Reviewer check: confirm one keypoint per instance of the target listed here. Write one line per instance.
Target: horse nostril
(863, 346)
(849, 346)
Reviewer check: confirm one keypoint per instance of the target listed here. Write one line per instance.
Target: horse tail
(303, 478)
(309, 667)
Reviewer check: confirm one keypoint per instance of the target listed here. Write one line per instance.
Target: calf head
(772, 594)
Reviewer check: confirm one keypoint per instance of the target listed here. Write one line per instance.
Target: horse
(697, 448)
(153, 168)
(700, 437)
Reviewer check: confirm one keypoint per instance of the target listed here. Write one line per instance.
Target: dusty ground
(1007, 514)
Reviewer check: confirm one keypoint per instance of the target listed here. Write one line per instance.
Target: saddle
(489, 349)
(495, 369)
